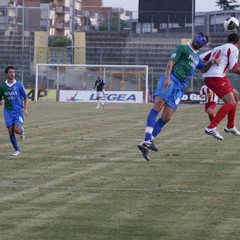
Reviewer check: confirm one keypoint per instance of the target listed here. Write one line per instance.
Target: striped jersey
(13, 95)
(210, 96)
(228, 56)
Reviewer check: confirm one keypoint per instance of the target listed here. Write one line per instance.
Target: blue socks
(158, 127)
(153, 127)
(14, 142)
(151, 120)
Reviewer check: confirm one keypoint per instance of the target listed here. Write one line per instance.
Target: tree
(227, 4)
(114, 24)
(59, 42)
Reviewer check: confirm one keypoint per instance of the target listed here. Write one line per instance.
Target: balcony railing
(60, 9)
(61, 25)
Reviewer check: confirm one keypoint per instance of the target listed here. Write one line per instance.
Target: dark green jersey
(186, 61)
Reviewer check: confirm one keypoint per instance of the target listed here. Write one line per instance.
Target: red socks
(231, 117)
(211, 116)
(221, 113)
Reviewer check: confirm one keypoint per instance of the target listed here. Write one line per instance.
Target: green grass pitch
(80, 176)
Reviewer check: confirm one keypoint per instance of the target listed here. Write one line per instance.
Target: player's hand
(102, 91)
(167, 83)
(92, 90)
(215, 61)
(25, 111)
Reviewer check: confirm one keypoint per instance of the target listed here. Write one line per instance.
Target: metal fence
(111, 38)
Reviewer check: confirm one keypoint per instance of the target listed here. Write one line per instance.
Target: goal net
(74, 82)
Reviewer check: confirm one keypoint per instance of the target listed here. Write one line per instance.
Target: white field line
(163, 190)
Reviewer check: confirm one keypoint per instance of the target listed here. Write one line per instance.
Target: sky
(132, 5)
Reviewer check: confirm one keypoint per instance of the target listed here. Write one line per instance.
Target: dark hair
(8, 68)
(233, 38)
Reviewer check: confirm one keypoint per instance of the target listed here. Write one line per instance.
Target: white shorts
(99, 94)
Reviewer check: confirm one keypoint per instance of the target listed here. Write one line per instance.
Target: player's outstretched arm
(209, 64)
(236, 70)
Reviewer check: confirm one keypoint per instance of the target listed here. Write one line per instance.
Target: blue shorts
(173, 94)
(13, 117)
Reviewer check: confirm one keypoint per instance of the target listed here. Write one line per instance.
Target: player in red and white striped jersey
(211, 100)
(216, 79)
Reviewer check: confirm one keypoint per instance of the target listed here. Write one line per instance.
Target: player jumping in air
(15, 107)
(169, 92)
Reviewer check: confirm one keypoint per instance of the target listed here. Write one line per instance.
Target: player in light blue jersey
(15, 107)
(169, 92)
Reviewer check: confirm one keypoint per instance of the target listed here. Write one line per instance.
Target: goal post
(60, 82)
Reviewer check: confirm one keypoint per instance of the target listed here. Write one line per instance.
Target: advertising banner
(194, 98)
(108, 96)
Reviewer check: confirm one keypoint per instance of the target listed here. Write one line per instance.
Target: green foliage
(113, 24)
(59, 42)
(227, 4)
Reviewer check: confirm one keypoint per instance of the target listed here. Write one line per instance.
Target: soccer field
(80, 176)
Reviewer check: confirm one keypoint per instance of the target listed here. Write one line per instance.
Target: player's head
(10, 72)
(233, 38)
(9, 68)
(199, 40)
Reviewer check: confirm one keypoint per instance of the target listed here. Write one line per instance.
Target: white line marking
(167, 190)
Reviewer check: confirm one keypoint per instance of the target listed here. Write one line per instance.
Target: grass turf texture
(81, 176)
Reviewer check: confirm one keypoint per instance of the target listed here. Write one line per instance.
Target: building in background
(99, 35)
(94, 13)
(160, 15)
(59, 17)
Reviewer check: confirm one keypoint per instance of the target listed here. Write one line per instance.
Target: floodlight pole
(193, 31)
(72, 27)
(22, 41)
(193, 17)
